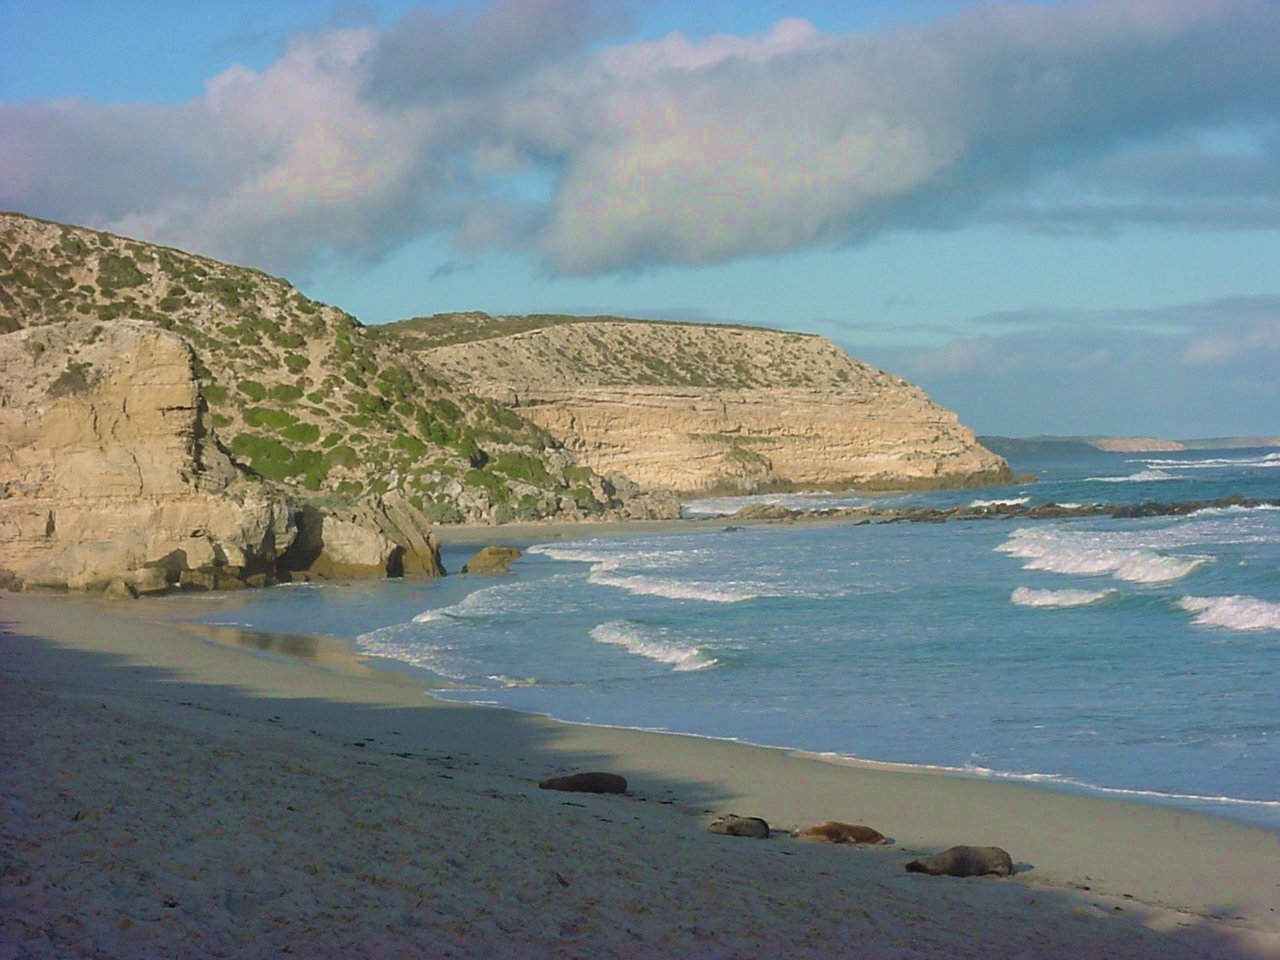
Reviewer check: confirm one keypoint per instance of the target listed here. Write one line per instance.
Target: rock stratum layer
(696, 408)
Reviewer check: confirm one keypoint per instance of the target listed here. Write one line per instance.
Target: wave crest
(1142, 476)
(651, 643)
(606, 575)
(1029, 597)
(1237, 612)
(1060, 552)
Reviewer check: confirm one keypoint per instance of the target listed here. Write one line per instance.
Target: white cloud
(675, 151)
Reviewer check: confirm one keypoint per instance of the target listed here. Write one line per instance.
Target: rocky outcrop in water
(997, 511)
(492, 559)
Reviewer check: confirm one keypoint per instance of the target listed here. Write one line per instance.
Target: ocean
(1127, 657)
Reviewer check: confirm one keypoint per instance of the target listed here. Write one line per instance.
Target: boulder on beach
(834, 831)
(591, 782)
(732, 825)
(965, 861)
(492, 559)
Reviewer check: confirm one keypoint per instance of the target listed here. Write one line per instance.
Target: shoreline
(1126, 852)
(344, 655)
(351, 660)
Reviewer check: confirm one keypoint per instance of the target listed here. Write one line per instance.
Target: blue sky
(1057, 218)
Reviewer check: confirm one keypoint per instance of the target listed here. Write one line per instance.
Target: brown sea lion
(965, 862)
(590, 782)
(833, 831)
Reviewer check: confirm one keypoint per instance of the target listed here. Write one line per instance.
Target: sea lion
(590, 782)
(833, 831)
(732, 825)
(965, 862)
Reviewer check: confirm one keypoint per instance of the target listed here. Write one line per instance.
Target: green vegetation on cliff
(279, 372)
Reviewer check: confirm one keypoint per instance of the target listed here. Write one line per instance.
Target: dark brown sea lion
(591, 782)
(965, 862)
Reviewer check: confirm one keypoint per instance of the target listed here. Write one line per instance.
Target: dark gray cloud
(1078, 117)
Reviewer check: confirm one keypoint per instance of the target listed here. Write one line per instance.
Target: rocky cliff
(166, 412)
(698, 408)
(167, 421)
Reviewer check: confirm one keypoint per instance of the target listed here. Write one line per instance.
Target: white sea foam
(388, 643)
(1233, 613)
(1011, 502)
(570, 553)
(509, 682)
(1234, 510)
(1029, 597)
(607, 575)
(1059, 779)
(619, 570)
(651, 643)
(1142, 476)
(1216, 463)
(1090, 554)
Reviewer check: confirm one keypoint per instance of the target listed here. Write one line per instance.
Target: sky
(1056, 217)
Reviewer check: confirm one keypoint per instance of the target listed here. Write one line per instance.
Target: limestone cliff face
(695, 408)
(108, 472)
(111, 477)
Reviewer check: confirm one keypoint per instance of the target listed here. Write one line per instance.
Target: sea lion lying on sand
(591, 782)
(833, 831)
(965, 862)
(732, 825)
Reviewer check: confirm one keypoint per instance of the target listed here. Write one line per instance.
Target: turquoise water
(1137, 656)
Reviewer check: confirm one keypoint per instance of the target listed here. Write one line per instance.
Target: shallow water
(1138, 656)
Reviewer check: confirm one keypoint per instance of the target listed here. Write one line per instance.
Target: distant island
(170, 421)
(1048, 445)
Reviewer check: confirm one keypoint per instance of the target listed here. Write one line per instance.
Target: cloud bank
(518, 126)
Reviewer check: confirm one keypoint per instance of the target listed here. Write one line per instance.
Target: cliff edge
(696, 408)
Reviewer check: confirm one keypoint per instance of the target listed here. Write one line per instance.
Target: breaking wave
(1012, 502)
(1233, 613)
(1234, 510)
(606, 575)
(1142, 476)
(1062, 552)
(1028, 597)
(651, 643)
(485, 602)
(1267, 460)
(609, 570)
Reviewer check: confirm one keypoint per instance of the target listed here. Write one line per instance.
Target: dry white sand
(167, 796)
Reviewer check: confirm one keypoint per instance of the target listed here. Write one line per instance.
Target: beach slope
(167, 795)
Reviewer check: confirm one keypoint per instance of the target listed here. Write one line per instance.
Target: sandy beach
(169, 795)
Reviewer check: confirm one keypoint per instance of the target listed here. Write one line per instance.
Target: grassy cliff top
(551, 350)
(447, 329)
